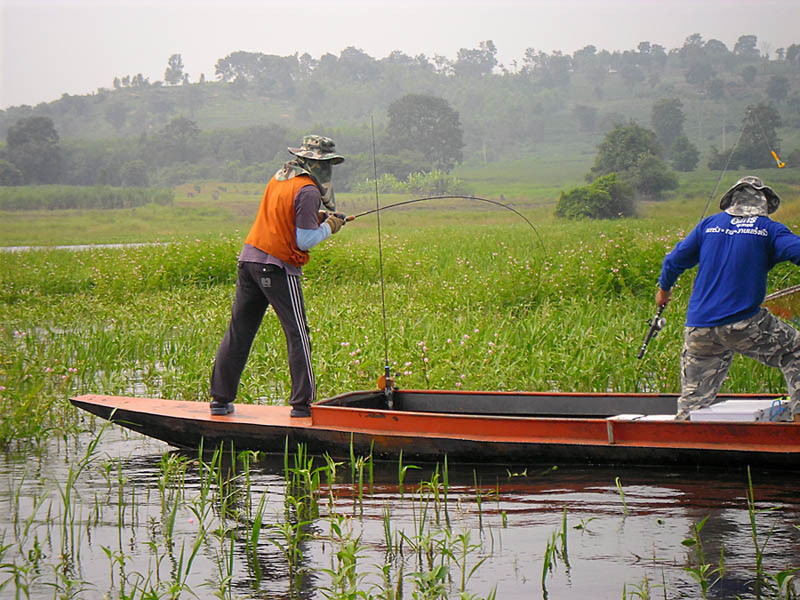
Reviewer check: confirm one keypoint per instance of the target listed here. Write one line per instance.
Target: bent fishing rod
(348, 218)
(386, 382)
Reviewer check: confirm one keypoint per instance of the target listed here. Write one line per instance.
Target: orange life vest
(274, 230)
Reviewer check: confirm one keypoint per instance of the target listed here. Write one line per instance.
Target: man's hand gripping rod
(656, 325)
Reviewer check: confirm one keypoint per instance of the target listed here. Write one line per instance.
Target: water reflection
(129, 512)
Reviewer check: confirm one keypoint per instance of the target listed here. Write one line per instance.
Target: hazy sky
(48, 47)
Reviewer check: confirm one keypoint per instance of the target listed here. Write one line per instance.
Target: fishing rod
(388, 382)
(349, 218)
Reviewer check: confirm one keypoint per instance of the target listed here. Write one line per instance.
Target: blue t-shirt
(734, 255)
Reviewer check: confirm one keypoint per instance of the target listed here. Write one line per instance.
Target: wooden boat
(510, 428)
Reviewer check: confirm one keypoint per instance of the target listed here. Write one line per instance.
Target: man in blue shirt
(734, 251)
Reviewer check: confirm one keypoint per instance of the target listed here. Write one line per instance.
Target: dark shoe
(219, 407)
(301, 410)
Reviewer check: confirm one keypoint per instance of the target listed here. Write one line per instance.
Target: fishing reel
(657, 323)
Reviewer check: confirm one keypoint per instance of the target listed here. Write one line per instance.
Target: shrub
(607, 197)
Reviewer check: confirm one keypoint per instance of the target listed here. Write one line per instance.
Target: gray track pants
(708, 352)
(257, 287)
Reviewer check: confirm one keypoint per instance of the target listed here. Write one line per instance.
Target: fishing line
(750, 114)
(780, 163)
(377, 211)
(724, 170)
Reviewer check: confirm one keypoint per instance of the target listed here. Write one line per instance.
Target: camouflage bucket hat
(773, 201)
(318, 147)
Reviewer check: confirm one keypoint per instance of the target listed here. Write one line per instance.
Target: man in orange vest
(289, 223)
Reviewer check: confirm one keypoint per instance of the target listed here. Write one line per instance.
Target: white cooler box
(744, 410)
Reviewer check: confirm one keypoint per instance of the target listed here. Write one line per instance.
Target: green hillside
(543, 106)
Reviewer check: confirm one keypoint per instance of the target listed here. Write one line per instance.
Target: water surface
(115, 524)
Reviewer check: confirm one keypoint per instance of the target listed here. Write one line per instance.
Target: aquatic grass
(402, 470)
(288, 536)
(346, 582)
(555, 551)
(762, 577)
(702, 571)
(621, 496)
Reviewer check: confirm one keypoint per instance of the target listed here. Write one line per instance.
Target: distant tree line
(238, 126)
(423, 135)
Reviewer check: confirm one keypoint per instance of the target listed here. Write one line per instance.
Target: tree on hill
(428, 125)
(634, 153)
(745, 47)
(33, 148)
(759, 136)
(476, 62)
(177, 141)
(174, 73)
(684, 155)
(620, 150)
(667, 119)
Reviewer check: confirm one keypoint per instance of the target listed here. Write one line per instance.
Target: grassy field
(475, 299)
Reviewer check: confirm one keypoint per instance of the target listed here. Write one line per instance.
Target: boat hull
(530, 434)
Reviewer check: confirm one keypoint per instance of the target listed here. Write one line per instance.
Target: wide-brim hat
(773, 201)
(318, 147)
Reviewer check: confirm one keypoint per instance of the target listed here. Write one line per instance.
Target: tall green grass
(474, 300)
(59, 197)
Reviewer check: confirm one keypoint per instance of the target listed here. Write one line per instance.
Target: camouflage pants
(708, 352)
